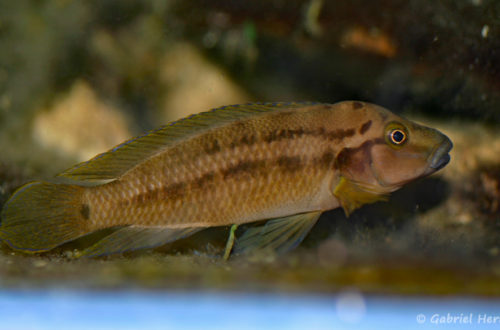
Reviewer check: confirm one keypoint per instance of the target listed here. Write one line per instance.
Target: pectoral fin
(134, 238)
(353, 195)
(281, 234)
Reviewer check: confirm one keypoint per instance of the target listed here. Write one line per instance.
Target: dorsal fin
(115, 162)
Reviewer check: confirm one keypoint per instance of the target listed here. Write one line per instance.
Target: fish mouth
(441, 157)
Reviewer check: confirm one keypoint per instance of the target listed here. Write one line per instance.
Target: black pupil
(398, 136)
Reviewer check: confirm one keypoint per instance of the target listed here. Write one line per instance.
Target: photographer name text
(470, 318)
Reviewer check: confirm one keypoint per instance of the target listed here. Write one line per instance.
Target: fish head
(408, 151)
(396, 151)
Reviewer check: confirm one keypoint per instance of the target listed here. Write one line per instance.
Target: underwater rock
(194, 84)
(80, 125)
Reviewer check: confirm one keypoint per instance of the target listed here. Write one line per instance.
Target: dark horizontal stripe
(326, 160)
(173, 191)
(282, 134)
(204, 180)
(340, 134)
(250, 139)
(243, 167)
(288, 164)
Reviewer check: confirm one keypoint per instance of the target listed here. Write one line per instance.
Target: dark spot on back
(289, 164)
(248, 140)
(365, 127)
(85, 211)
(212, 147)
(272, 136)
(357, 105)
(239, 125)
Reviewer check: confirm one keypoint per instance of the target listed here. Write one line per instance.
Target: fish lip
(442, 162)
(441, 157)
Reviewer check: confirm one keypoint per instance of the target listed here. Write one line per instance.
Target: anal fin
(280, 234)
(136, 237)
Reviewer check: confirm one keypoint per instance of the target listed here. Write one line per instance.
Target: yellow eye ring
(397, 136)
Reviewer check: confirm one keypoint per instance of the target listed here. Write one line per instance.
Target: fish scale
(287, 162)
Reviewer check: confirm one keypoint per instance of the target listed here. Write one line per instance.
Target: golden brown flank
(232, 165)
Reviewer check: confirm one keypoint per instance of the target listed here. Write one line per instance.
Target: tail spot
(85, 211)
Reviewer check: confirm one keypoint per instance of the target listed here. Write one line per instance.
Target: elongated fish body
(232, 165)
(260, 168)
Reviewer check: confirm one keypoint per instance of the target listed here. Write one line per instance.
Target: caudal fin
(40, 216)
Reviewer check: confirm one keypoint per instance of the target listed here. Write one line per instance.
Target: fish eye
(397, 136)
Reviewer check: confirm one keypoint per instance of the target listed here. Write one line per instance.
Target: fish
(285, 163)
